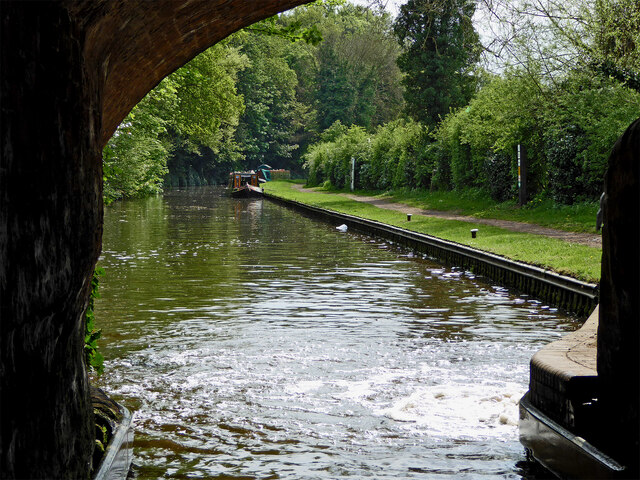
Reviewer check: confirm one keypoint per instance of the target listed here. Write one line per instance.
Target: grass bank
(578, 261)
(580, 217)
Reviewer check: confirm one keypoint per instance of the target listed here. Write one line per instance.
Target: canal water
(255, 343)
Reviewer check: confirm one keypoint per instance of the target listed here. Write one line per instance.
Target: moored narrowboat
(244, 184)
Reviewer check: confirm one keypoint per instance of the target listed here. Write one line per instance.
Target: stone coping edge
(556, 356)
(563, 379)
(118, 456)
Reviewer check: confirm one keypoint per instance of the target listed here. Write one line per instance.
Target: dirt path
(589, 239)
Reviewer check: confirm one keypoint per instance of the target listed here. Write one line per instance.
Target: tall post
(353, 173)
(522, 175)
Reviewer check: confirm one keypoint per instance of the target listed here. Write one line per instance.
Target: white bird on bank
(342, 228)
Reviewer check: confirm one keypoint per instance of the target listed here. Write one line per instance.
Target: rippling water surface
(252, 342)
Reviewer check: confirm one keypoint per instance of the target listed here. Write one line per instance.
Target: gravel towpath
(589, 239)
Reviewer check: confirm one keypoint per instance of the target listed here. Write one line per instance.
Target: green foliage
(440, 48)
(196, 107)
(394, 148)
(134, 160)
(352, 76)
(567, 129)
(293, 31)
(567, 126)
(335, 131)
(616, 46)
(501, 115)
(499, 174)
(436, 168)
(598, 109)
(331, 161)
(206, 167)
(93, 358)
(103, 438)
(336, 95)
(566, 181)
(208, 106)
(268, 85)
(390, 158)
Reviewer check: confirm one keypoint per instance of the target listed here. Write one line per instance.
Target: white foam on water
(304, 386)
(355, 390)
(369, 389)
(460, 410)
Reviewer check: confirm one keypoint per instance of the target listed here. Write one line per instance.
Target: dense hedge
(280, 174)
(567, 131)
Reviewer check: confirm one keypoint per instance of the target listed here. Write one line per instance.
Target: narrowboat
(244, 184)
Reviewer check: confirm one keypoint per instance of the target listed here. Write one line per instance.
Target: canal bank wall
(562, 291)
(561, 421)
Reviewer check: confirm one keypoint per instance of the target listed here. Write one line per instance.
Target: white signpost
(353, 173)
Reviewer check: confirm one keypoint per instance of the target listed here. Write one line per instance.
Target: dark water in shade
(252, 342)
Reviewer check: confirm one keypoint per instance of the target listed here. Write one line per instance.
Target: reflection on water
(253, 342)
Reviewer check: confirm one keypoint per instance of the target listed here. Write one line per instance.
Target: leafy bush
(503, 114)
(315, 160)
(501, 181)
(567, 131)
(332, 160)
(387, 159)
(589, 113)
(441, 177)
(93, 358)
(566, 182)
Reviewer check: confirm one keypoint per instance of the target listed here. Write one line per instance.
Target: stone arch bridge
(70, 72)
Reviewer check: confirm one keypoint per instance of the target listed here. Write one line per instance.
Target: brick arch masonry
(70, 72)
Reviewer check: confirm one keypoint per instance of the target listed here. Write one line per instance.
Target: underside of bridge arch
(70, 72)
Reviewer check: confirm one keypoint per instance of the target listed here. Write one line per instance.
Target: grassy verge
(578, 261)
(580, 217)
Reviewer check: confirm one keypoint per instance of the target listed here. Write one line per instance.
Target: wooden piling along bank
(562, 291)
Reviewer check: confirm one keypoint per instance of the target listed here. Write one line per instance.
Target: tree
(335, 94)
(352, 76)
(440, 48)
(135, 158)
(208, 106)
(358, 78)
(559, 36)
(195, 107)
(616, 24)
(268, 85)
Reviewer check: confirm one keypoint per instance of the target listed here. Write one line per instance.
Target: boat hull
(560, 451)
(247, 191)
